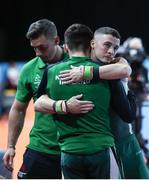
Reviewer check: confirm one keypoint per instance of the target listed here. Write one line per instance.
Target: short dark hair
(42, 27)
(108, 30)
(78, 37)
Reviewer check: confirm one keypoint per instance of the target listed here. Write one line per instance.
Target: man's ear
(57, 40)
(92, 44)
(65, 47)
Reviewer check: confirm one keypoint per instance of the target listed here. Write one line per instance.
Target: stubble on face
(105, 47)
(44, 48)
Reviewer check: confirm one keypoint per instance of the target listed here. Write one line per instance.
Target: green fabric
(43, 135)
(128, 149)
(87, 73)
(88, 133)
(132, 158)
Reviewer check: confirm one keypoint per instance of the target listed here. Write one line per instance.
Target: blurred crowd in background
(8, 84)
(133, 50)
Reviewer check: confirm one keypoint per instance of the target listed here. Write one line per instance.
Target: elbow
(41, 106)
(126, 71)
(37, 106)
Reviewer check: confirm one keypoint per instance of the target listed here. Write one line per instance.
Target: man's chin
(106, 60)
(45, 59)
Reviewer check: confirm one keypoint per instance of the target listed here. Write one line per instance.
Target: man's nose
(111, 50)
(38, 52)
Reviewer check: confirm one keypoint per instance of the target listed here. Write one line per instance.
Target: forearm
(15, 125)
(114, 71)
(44, 104)
(119, 69)
(73, 105)
(107, 72)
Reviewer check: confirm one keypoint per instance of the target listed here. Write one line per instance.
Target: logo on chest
(37, 81)
(82, 82)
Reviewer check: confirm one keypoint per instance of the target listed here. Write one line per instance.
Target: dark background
(129, 17)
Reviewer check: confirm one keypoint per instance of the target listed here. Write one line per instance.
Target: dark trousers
(37, 165)
(93, 166)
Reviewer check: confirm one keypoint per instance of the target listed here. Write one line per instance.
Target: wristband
(52, 102)
(58, 106)
(11, 146)
(96, 76)
(88, 73)
(61, 107)
(54, 106)
(67, 109)
(64, 106)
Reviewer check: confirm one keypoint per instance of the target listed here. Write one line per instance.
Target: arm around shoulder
(120, 69)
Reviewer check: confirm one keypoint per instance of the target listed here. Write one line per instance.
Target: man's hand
(8, 158)
(76, 106)
(73, 75)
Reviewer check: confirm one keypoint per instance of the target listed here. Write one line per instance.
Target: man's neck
(78, 54)
(58, 55)
(93, 57)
